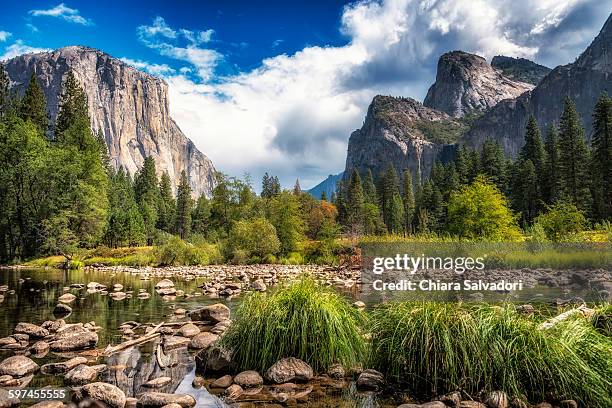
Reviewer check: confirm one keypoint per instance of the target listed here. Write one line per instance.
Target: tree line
(557, 169)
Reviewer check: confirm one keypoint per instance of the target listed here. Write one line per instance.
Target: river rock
(39, 347)
(31, 330)
(157, 382)
(175, 342)
(6, 401)
(107, 393)
(5, 341)
(159, 399)
(84, 374)
(248, 379)
(471, 404)
(336, 371)
(259, 285)
(214, 359)
(48, 404)
(189, 330)
(370, 380)
(203, 340)
(117, 287)
(62, 310)
(213, 313)
(79, 341)
(53, 325)
(289, 369)
(180, 311)
(67, 298)
(233, 392)
(63, 366)
(222, 382)
(118, 295)
(18, 366)
(496, 399)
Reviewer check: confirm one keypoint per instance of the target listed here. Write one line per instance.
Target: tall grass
(303, 320)
(434, 348)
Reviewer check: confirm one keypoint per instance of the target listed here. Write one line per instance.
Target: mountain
(328, 185)
(467, 85)
(520, 69)
(401, 131)
(583, 81)
(130, 107)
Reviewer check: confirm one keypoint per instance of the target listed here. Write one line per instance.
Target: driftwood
(143, 339)
(582, 310)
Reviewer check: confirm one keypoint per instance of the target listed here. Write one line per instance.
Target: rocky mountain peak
(520, 69)
(129, 107)
(466, 84)
(598, 56)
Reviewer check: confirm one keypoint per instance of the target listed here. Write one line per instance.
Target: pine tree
(355, 203)
(533, 150)
(493, 163)
(184, 206)
(72, 106)
(200, 219)
(104, 156)
(4, 91)
(551, 184)
(323, 195)
(147, 196)
(409, 204)
(602, 158)
(462, 165)
(390, 196)
(574, 159)
(125, 225)
(33, 106)
(524, 190)
(297, 189)
(166, 207)
(266, 189)
(369, 188)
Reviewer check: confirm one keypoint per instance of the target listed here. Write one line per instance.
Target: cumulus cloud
(65, 13)
(293, 114)
(19, 48)
(4, 35)
(155, 69)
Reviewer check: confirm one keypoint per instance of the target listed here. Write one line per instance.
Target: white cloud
(155, 69)
(64, 12)
(293, 115)
(4, 35)
(19, 48)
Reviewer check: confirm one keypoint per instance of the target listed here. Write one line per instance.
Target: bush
(256, 238)
(434, 348)
(178, 252)
(302, 320)
(561, 221)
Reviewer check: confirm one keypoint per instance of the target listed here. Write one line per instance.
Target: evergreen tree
(323, 195)
(393, 214)
(266, 187)
(297, 189)
(104, 156)
(4, 91)
(409, 204)
(33, 106)
(355, 203)
(574, 159)
(551, 184)
(602, 158)
(200, 219)
(533, 150)
(72, 106)
(125, 225)
(462, 165)
(166, 207)
(493, 163)
(524, 190)
(369, 189)
(184, 206)
(147, 196)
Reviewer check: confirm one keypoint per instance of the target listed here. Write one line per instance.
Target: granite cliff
(130, 107)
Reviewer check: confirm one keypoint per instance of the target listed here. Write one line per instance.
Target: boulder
(84, 374)
(471, 404)
(53, 325)
(5, 341)
(79, 341)
(64, 366)
(189, 330)
(157, 382)
(370, 380)
(336, 371)
(164, 284)
(233, 392)
(39, 347)
(222, 382)
(259, 285)
(175, 342)
(6, 401)
(31, 330)
(452, 399)
(248, 379)
(289, 369)
(106, 393)
(213, 313)
(18, 366)
(48, 404)
(203, 340)
(160, 399)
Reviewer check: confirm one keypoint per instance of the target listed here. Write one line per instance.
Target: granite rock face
(466, 84)
(583, 81)
(520, 69)
(129, 107)
(400, 131)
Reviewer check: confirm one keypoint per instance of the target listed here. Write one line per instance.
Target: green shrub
(302, 320)
(256, 237)
(178, 252)
(293, 258)
(561, 222)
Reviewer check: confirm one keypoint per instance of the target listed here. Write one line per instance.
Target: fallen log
(142, 339)
(582, 310)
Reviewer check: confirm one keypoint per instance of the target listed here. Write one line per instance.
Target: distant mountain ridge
(328, 185)
(130, 107)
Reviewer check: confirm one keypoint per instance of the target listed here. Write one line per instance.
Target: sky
(279, 86)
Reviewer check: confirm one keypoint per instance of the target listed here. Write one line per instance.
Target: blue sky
(279, 86)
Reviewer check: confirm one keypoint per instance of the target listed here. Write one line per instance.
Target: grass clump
(303, 320)
(434, 348)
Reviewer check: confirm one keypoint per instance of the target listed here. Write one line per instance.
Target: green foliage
(433, 348)
(147, 196)
(166, 207)
(184, 207)
(493, 163)
(270, 186)
(445, 132)
(355, 203)
(256, 237)
(602, 158)
(302, 320)
(4, 92)
(551, 183)
(480, 210)
(284, 213)
(33, 106)
(561, 221)
(178, 252)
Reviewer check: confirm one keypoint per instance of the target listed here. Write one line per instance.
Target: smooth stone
(31, 330)
(289, 369)
(84, 340)
(370, 380)
(6, 401)
(18, 366)
(336, 371)
(107, 393)
(157, 382)
(259, 285)
(53, 325)
(84, 374)
(62, 310)
(189, 330)
(203, 340)
(39, 347)
(66, 298)
(180, 311)
(175, 342)
(214, 313)
(5, 341)
(63, 366)
(222, 382)
(214, 359)
(164, 284)
(233, 392)
(248, 379)
(159, 399)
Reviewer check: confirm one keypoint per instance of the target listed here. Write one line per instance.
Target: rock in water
(370, 380)
(130, 107)
(213, 313)
(289, 369)
(31, 330)
(106, 393)
(203, 340)
(248, 379)
(160, 399)
(222, 382)
(6, 401)
(83, 374)
(18, 366)
(157, 382)
(63, 366)
(78, 341)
